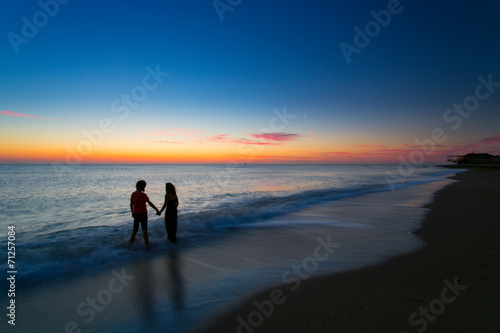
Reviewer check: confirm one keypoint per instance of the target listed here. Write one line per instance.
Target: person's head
(170, 188)
(140, 185)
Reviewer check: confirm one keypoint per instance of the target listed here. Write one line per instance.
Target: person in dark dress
(170, 207)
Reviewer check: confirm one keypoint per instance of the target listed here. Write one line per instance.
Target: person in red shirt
(139, 211)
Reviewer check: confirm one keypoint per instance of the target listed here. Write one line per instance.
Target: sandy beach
(450, 285)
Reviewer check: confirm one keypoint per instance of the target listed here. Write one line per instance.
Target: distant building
(473, 158)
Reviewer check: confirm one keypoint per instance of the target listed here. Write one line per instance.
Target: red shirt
(138, 201)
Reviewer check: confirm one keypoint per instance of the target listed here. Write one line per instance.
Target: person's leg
(135, 229)
(144, 225)
(170, 231)
(168, 226)
(174, 227)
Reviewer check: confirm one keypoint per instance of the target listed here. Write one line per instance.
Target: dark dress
(171, 219)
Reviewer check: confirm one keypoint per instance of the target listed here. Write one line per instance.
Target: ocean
(77, 223)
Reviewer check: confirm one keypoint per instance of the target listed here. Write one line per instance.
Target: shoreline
(411, 292)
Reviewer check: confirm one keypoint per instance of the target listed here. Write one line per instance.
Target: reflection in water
(160, 293)
(146, 299)
(176, 281)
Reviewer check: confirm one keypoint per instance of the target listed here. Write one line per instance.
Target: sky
(240, 81)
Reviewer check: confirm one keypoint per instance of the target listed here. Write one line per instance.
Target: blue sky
(226, 76)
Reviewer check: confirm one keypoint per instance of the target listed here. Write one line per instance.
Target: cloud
(469, 146)
(276, 136)
(224, 138)
(23, 115)
(490, 140)
(261, 139)
(219, 138)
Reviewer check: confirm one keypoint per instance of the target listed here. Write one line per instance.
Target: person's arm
(132, 207)
(152, 205)
(176, 201)
(164, 205)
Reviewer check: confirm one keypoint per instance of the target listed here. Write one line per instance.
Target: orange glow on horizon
(192, 157)
(128, 151)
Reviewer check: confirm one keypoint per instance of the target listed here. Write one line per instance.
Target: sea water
(80, 220)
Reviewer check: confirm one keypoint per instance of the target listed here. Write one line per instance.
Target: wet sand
(449, 285)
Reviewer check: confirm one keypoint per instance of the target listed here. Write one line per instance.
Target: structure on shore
(473, 158)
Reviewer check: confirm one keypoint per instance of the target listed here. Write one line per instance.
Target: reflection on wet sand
(160, 289)
(176, 280)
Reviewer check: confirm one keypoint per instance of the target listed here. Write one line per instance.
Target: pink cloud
(275, 136)
(23, 115)
(273, 139)
(255, 142)
(469, 146)
(490, 140)
(224, 138)
(219, 138)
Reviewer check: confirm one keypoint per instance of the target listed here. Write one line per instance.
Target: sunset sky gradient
(257, 82)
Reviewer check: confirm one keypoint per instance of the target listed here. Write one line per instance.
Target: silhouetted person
(139, 211)
(171, 203)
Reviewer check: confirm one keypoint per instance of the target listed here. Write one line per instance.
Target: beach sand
(449, 285)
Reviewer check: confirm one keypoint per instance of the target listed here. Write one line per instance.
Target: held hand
(158, 212)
